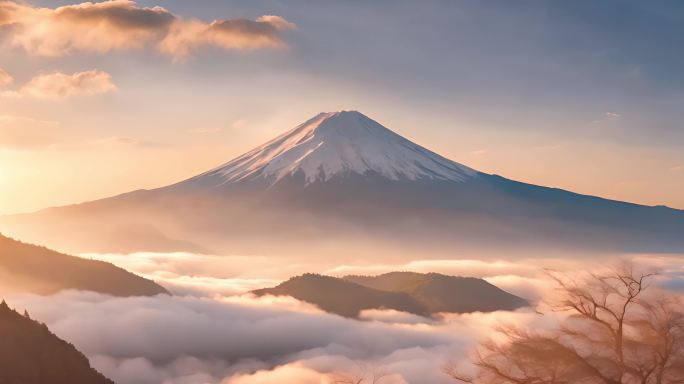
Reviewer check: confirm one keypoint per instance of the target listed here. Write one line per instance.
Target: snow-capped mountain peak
(340, 143)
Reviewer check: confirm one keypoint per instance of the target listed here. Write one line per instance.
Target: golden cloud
(58, 85)
(122, 24)
(237, 34)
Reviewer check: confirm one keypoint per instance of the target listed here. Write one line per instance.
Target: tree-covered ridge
(30, 268)
(31, 354)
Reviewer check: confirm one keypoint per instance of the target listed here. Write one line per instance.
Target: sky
(98, 99)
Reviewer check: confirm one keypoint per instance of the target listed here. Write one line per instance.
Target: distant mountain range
(31, 354)
(342, 178)
(32, 269)
(419, 294)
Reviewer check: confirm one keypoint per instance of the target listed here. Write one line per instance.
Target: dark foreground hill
(31, 354)
(420, 294)
(33, 269)
(441, 293)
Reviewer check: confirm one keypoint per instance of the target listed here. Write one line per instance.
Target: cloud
(206, 275)
(290, 373)
(24, 132)
(5, 79)
(277, 22)
(211, 276)
(677, 168)
(606, 118)
(95, 27)
(218, 276)
(58, 85)
(122, 25)
(245, 339)
(238, 34)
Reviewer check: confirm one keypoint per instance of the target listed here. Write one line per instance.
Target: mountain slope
(343, 178)
(342, 297)
(441, 293)
(31, 354)
(29, 268)
(336, 143)
(420, 294)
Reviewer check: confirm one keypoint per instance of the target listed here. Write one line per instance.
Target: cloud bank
(211, 276)
(248, 340)
(116, 25)
(212, 338)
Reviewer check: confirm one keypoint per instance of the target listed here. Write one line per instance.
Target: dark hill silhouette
(343, 297)
(34, 269)
(441, 293)
(420, 294)
(31, 354)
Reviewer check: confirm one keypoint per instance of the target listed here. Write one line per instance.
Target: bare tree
(619, 331)
(367, 374)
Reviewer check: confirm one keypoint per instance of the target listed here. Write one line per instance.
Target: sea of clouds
(213, 331)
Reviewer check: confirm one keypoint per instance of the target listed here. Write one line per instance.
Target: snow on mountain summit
(339, 143)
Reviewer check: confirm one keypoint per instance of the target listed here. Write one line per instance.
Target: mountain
(343, 297)
(420, 294)
(342, 179)
(441, 293)
(33, 269)
(332, 145)
(31, 354)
